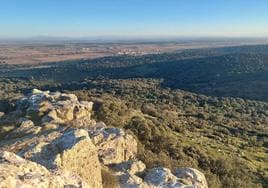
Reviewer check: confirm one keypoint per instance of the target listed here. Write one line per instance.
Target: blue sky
(123, 18)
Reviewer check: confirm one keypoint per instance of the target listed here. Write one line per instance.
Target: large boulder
(133, 174)
(128, 173)
(131, 166)
(181, 178)
(162, 177)
(127, 180)
(73, 151)
(114, 145)
(18, 172)
(196, 177)
(44, 107)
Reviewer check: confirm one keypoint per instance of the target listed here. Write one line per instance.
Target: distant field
(35, 53)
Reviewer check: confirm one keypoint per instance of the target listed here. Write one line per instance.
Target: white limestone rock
(73, 151)
(127, 173)
(113, 144)
(162, 178)
(196, 177)
(58, 108)
(17, 172)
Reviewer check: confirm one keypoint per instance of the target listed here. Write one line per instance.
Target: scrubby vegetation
(222, 133)
(177, 128)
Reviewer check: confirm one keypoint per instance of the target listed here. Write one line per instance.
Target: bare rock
(114, 145)
(82, 123)
(127, 180)
(50, 126)
(132, 167)
(37, 91)
(25, 128)
(18, 172)
(58, 108)
(162, 177)
(83, 110)
(52, 117)
(136, 167)
(127, 173)
(64, 110)
(196, 177)
(73, 151)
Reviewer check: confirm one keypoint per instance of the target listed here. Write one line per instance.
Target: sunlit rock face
(195, 177)
(26, 127)
(18, 172)
(114, 145)
(54, 142)
(72, 151)
(44, 107)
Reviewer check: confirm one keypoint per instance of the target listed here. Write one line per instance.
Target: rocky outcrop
(162, 177)
(57, 144)
(181, 178)
(195, 177)
(129, 173)
(18, 172)
(58, 108)
(26, 127)
(73, 151)
(114, 146)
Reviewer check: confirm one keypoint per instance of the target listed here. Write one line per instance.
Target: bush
(149, 109)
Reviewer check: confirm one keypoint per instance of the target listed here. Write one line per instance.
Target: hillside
(205, 109)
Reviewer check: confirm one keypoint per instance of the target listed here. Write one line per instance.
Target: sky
(134, 18)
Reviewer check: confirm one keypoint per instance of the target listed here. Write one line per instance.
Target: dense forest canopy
(230, 71)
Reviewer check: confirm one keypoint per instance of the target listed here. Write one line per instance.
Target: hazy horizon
(107, 38)
(132, 19)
